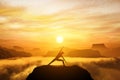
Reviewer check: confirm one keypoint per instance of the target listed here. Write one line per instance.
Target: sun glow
(15, 25)
(59, 39)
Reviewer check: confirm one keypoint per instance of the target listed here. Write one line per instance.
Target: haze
(37, 23)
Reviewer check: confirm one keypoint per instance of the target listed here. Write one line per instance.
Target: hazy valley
(100, 68)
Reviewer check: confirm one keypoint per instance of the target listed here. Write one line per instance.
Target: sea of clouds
(99, 68)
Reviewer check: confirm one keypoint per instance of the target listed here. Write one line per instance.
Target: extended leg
(62, 61)
(52, 61)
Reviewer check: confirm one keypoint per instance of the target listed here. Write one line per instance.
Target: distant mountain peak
(99, 46)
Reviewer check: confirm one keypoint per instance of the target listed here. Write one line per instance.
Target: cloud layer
(86, 21)
(99, 68)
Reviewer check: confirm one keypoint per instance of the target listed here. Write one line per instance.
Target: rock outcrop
(59, 73)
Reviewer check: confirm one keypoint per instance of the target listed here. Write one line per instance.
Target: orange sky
(37, 23)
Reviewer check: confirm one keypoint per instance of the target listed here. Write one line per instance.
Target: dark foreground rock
(59, 73)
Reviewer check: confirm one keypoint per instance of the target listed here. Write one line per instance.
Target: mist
(99, 68)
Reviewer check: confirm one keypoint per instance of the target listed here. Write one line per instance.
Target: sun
(59, 39)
